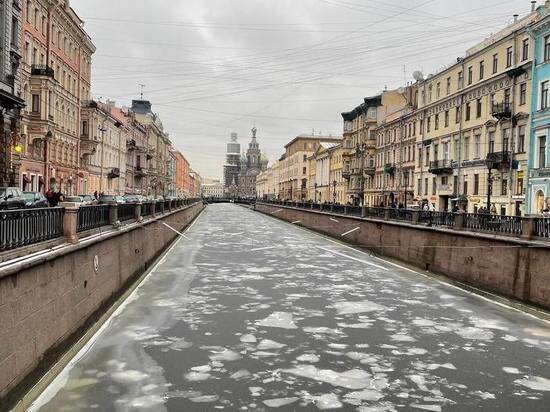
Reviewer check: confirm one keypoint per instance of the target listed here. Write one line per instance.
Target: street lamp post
(334, 183)
(315, 195)
(489, 183)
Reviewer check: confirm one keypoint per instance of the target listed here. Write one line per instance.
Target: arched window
(539, 202)
(29, 10)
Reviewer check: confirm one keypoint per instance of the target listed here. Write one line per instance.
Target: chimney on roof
(516, 18)
(533, 5)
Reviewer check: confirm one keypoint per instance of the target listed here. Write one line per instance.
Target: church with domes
(251, 165)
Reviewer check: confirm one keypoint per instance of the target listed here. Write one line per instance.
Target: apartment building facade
(293, 170)
(55, 77)
(11, 102)
(472, 142)
(538, 189)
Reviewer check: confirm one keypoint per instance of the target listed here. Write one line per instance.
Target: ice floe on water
(277, 403)
(349, 308)
(267, 344)
(510, 370)
(197, 376)
(308, 358)
(283, 320)
(248, 339)
(351, 379)
(475, 333)
(327, 401)
(536, 383)
(226, 355)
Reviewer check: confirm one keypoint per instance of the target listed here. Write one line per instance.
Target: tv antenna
(141, 87)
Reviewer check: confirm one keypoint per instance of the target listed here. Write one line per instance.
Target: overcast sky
(287, 66)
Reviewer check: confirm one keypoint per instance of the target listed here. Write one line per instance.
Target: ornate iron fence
(375, 212)
(146, 209)
(506, 225)
(542, 227)
(401, 214)
(92, 217)
(436, 218)
(354, 210)
(25, 227)
(126, 212)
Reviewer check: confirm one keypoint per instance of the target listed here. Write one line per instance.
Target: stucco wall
(510, 267)
(45, 305)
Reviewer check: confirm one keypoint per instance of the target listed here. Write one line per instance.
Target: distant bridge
(240, 200)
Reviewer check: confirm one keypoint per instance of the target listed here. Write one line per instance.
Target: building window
(434, 185)
(521, 139)
(457, 148)
(430, 93)
(448, 85)
(468, 111)
(466, 153)
(436, 121)
(505, 140)
(304, 171)
(419, 187)
(542, 151)
(426, 186)
(478, 108)
(36, 103)
(544, 95)
(84, 128)
(507, 96)
(525, 49)
(491, 146)
(438, 90)
(481, 69)
(460, 80)
(470, 75)
(504, 187)
(28, 13)
(477, 146)
(509, 57)
(446, 118)
(546, 48)
(476, 184)
(495, 63)
(305, 158)
(457, 115)
(465, 189)
(522, 93)
(428, 124)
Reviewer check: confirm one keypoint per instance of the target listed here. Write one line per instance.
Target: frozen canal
(251, 313)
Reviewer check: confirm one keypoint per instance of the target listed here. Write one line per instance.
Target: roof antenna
(141, 87)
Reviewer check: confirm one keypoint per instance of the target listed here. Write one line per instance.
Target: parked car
(134, 198)
(35, 200)
(77, 200)
(11, 198)
(110, 199)
(88, 199)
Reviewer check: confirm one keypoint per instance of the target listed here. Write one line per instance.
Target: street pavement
(251, 313)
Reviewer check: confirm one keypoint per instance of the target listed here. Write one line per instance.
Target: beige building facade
(473, 128)
(293, 170)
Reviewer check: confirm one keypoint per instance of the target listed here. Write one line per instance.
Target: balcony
(441, 167)
(370, 143)
(131, 145)
(502, 110)
(87, 146)
(346, 172)
(389, 168)
(114, 173)
(42, 70)
(369, 170)
(498, 160)
(140, 172)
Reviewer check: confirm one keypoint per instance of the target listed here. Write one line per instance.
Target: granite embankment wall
(48, 301)
(514, 268)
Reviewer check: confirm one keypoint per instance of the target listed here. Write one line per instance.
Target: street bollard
(70, 221)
